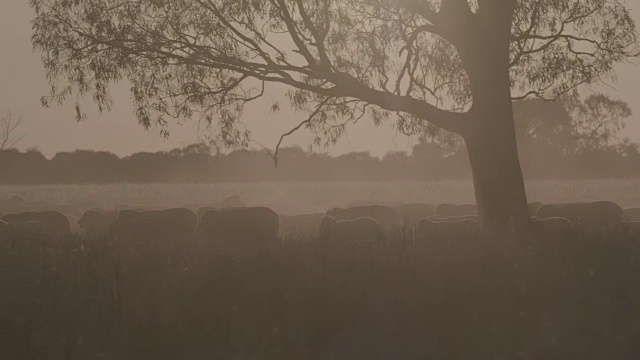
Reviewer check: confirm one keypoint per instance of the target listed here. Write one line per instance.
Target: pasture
(152, 294)
(313, 197)
(560, 298)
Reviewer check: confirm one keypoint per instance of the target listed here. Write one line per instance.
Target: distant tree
(545, 124)
(629, 149)
(29, 167)
(598, 121)
(570, 125)
(396, 157)
(198, 149)
(85, 166)
(9, 126)
(426, 64)
(427, 150)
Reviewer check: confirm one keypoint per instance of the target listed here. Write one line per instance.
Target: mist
(319, 179)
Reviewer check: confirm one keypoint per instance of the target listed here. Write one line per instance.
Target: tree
(452, 64)
(571, 125)
(598, 120)
(544, 125)
(9, 125)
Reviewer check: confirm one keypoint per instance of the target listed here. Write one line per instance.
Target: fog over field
(291, 198)
(319, 179)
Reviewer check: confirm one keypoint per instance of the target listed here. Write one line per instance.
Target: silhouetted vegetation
(427, 161)
(564, 139)
(453, 65)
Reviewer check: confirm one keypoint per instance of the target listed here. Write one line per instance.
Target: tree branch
(8, 126)
(297, 127)
(421, 8)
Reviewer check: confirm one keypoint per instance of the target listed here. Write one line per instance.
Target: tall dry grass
(92, 298)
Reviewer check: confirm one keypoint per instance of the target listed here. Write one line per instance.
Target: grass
(557, 298)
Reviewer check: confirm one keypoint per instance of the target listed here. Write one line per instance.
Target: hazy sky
(22, 83)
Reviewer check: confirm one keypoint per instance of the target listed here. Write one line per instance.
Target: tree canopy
(571, 125)
(405, 61)
(425, 65)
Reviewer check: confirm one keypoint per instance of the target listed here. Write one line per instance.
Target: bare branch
(9, 124)
(297, 127)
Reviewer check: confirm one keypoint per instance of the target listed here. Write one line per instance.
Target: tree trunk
(493, 155)
(491, 136)
(497, 177)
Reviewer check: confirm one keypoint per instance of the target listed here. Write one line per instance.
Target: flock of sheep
(232, 222)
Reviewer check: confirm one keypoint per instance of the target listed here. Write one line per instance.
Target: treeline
(566, 139)
(196, 164)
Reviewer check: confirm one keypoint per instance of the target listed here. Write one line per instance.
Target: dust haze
(319, 179)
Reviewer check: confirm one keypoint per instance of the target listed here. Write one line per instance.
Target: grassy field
(565, 297)
(309, 197)
(81, 298)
